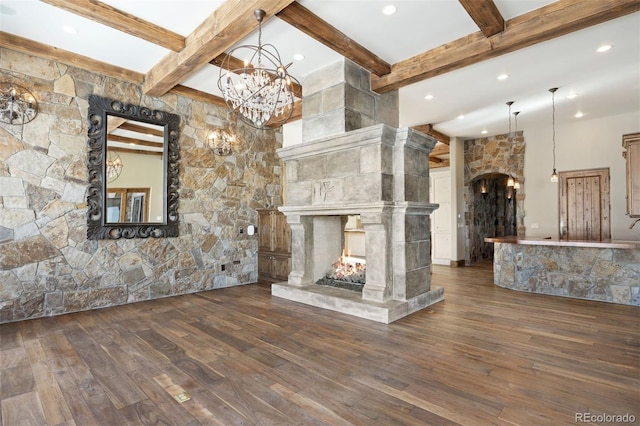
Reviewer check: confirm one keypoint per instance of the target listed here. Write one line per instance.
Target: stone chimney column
(338, 99)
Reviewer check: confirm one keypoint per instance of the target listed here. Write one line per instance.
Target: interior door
(584, 205)
(441, 230)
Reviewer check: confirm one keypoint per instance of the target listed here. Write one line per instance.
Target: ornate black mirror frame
(98, 228)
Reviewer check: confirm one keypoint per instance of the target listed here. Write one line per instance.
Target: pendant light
(516, 184)
(554, 175)
(510, 181)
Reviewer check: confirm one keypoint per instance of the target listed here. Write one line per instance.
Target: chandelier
(17, 104)
(260, 93)
(114, 166)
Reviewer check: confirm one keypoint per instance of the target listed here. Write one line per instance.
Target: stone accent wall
(608, 275)
(338, 99)
(485, 158)
(48, 267)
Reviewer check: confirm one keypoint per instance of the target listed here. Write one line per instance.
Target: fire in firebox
(346, 272)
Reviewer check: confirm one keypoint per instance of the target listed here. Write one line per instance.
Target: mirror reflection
(134, 171)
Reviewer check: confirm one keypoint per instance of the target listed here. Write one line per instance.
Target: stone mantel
(373, 135)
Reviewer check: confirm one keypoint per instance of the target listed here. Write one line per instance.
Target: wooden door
(265, 230)
(281, 233)
(584, 205)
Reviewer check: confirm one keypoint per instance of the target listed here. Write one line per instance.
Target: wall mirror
(133, 171)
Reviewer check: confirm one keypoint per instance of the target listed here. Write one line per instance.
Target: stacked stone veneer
(48, 267)
(485, 158)
(608, 275)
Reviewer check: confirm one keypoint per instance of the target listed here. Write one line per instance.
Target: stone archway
(491, 157)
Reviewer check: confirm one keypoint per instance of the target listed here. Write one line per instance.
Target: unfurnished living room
(314, 212)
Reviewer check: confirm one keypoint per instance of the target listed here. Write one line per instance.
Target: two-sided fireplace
(381, 175)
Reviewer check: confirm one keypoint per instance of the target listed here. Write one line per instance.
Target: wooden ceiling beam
(548, 22)
(428, 129)
(437, 165)
(304, 20)
(134, 141)
(122, 21)
(486, 16)
(228, 24)
(46, 51)
(439, 149)
(155, 131)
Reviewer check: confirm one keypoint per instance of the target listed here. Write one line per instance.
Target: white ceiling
(605, 83)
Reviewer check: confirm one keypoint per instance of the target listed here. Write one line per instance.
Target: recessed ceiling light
(460, 117)
(389, 9)
(603, 48)
(578, 114)
(69, 30)
(503, 76)
(484, 132)
(572, 95)
(429, 97)
(298, 56)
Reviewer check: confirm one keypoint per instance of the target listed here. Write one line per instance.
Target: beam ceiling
(548, 22)
(304, 20)
(486, 16)
(228, 24)
(122, 21)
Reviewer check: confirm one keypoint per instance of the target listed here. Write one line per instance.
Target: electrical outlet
(241, 230)
(222, 268)
(535, 226)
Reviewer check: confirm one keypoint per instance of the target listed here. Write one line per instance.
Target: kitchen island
(607, 271)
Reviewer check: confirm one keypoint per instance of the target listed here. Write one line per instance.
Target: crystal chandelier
(114, 165)
(17, 104)
(260, 93)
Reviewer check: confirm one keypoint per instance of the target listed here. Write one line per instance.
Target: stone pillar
(302, 247)
(338, 99)
(379, 281)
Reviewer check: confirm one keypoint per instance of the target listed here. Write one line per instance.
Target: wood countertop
(615, 244)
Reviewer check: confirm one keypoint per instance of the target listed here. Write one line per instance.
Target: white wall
(292, 133)
(143, 171)
(583, 144)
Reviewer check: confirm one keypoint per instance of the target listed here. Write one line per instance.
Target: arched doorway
(494, 213)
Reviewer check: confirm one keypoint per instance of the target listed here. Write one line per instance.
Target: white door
(440, 193)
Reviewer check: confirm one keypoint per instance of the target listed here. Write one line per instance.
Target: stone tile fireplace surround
(382, 174)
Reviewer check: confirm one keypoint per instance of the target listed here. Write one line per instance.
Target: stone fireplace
(378, 172)
(381, 174)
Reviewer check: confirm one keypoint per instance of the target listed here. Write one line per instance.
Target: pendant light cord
(553, 125)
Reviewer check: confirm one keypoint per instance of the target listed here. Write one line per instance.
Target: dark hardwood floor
(484, 356)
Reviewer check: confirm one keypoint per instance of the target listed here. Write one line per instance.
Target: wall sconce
(220, 142)
(484, 189)
(17, 104)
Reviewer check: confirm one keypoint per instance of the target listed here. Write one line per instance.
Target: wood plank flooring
(484, 356)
